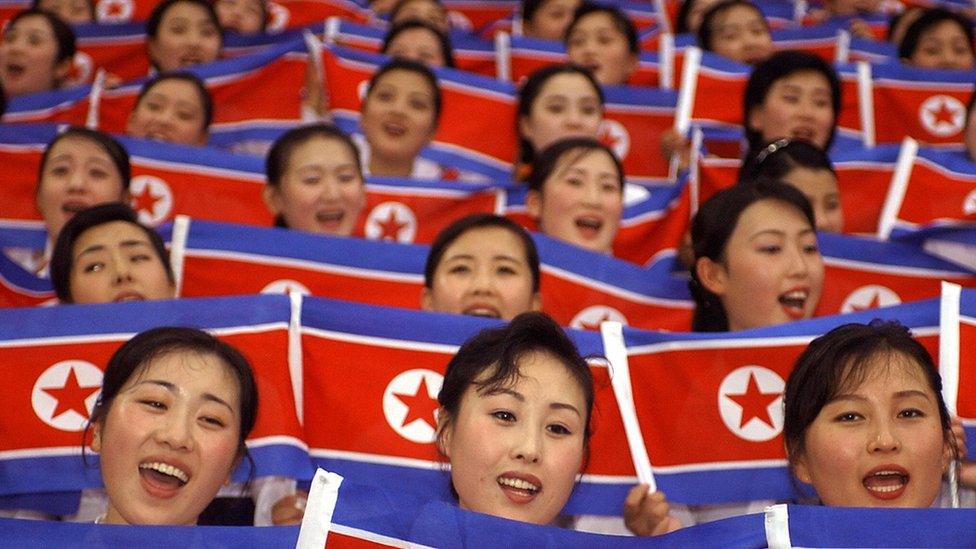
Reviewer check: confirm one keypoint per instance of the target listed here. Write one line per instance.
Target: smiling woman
(35, 53)
(181, 33)
(172, 107)
(515, 419)
(169, 426)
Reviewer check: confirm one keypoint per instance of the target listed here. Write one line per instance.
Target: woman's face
(418, 44)
(321, 189)
(78, 174)
(566, 106)
(515, 452)
(880, 444)
(741, 34)
(581, 202)
(820, 188)
(428, 11)
(70, 11)
(398, 115)
(798, 106)
(187, 36)
(551, 19)
(772, 271)
(28, 58)
(115, 262)
(169, 440)
(484, 272)
(597, 44)
(943, 46)
(170, 111)
(240, 16)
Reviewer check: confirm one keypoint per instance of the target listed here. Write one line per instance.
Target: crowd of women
(865, 422)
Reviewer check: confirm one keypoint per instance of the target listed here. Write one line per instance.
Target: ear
(96, 444)
(754, 120)
(426, 299)
(533, 203)
(801, 471)
(525, 127)
(444, 432)
(62, 68)
(712, 275)
(536, 302)
(272, 199)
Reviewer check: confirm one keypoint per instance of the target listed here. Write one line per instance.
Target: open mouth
(129, 296)
(519, 489)
(888, 483)
(163, 475)
(486, 311)
(72, 207)
(190, 59)
(802, 132)
(794, 302)
(14, 70)
(394, 129)
(330, 218)
(589, 226)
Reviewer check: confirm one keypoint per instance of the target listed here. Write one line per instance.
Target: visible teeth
(796, 294)
(325, 217)
(166, 469)
(590, 223)
(518, 484)
(490, 313)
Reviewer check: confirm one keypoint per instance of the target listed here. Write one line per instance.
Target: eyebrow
(172, 389)
(777, 232)
(101, 247)
(521, 398)
(900, 394)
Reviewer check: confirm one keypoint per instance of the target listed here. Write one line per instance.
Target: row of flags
(352, 388)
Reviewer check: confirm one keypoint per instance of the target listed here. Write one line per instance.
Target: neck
(391, 167)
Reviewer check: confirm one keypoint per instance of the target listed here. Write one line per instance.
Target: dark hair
(400, 3)
(106, 142)
(897, 18)
(531, 89)
(929, 19)
(776, 159)
(620, 21)
(548, 160)
(490, 361)
(36, 4)
(206, 101)
(529, 7)
(706, 33)
(159, 11)
(781, 65)
(684, 12)
(414, 67)
(281, 151)
(62, 258)
(842, 359)
(711, 229)
(479, 221)
(63, 35)
(134, 355)
(447, 52)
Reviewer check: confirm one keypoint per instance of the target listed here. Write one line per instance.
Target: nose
(574, 119)
(330, 191)
(884, 439)
(799, 262)
(483, 282)
(528, 446)
(175, 431)
(123, 271)
(76, 180)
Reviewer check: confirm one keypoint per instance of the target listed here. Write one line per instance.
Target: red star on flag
(72, 396)
(873, 304)
(391, 227)
(754, 403)
(419, 406)
(595, 326)
(114, 9)
(943, 115)
(146, 202)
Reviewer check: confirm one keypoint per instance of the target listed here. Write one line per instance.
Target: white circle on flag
(286, 286)
(867, 297)
(410, 404)
(750, 401)
(591, 317)
(152, 198)
(942, 115)
(82, 66)
(615, 136)
(391, 221)
(64, 395)
(114, 11)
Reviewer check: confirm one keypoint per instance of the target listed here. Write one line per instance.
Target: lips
(588, 226)
(14, 70)
(190, 59)
(162, 479)
(519, 488)
(886, 482)
(330, 219)
(394, 129)
(803, 132)
(129, 296)
(482, 309)
(794, 302)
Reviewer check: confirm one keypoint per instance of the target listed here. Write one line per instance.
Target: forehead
(177, 89)
(110, 234)
(807, 80)
(890, 370)
(737, 14)
(186, 10)
(593, 160)
(943, 28)
(321, 149)
(597, 20)
(487, 242)
(812, 181)
(415, 35)
(407, 81)
(191, 371)
(34, 23)
(770, 215)
(573, 85)
(542, 373)
(79, 148)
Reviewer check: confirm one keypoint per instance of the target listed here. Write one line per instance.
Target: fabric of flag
(21, 146)
(278, 72)
(873, 51)
(123, 11)
(288, 14)
(940, 192)
(849, 123)
(527, 55)
(634, 119)
(471, 16)
(120, 49)
(820, 41)
(19, 287)
(727, 388)
(864, 273)
(379, 425)
(963, 349)
(68, 106)
(54, 358)
(925, 104)
(863, 179)
(482, 103)
(714, 77)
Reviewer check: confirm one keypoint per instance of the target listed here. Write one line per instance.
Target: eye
(506, 270)
(459, 269)
(59, 170)
(213, 421)
(93, 267)
(811, 249)
(574, 181)
(311, 179)
(848, 417)
(416, 104)
(153, 404)
(558, 429)
(771, 249)
(912, 413)
(98, 173)
(504, 415)
(140, 257)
